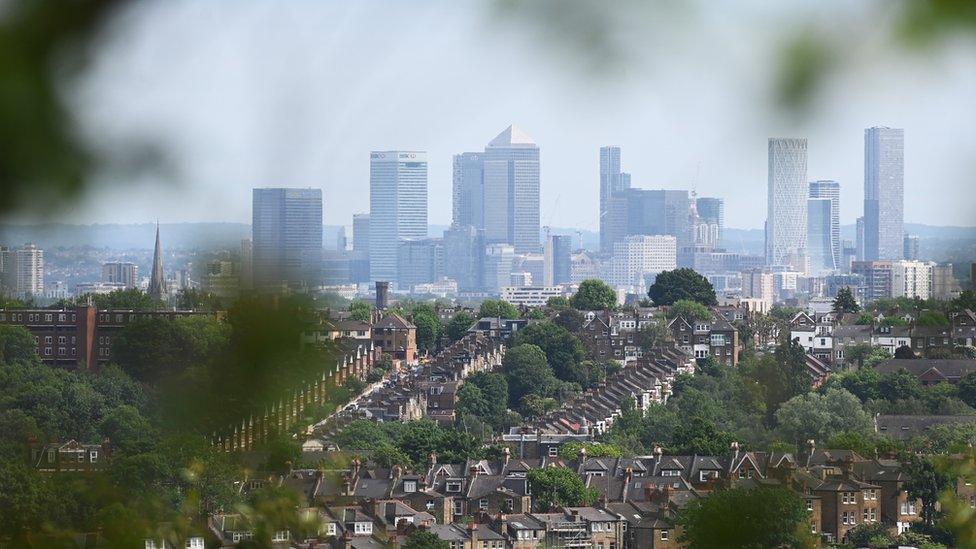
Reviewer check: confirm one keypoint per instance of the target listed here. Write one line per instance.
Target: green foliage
(458, 326)
(689, 310)
(429, 327)
(857, 353)
(558, 303)
(931, 318)
(536, 314)
(594, 295)
(197, 300)
(564, 352)
(570, 319)
(559, 486)
(534, 406)
(684, 283)
(783, 313)
(654, 334)
(865, 444)
(155, 348)
(16, 344)
(820, 417)
(283, 453)
(946, 439)
(699, 436)
(966, 300)
(361, 310)
(870, 535)
(927, 483)
(485, 396)
(894, 321)
(593, 449)
(864, 319)
(757, 517)
(497, 308)
(528, 372)
(410, 443)
(845, 302)
(967, 389)
(129, 299)
(423, 539)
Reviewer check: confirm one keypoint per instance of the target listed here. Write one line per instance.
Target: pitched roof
(950, 368)
(511, 136)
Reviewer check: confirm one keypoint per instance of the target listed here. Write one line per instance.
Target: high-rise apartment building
(825, 188)
(120, 273)
(786, 201)
(884, 190)
(28, 271)
(820, 237)
(637, 256)
(286, 233)
(910, 247)
(397, 207)
(511, 190)
(759, 284)
(650, 212)
(469, 189)
(558, 249)
(912, 279)
(711, 220)
(612, 181)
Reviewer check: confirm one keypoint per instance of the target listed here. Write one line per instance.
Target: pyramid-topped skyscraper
(157, 279)
(512, 190)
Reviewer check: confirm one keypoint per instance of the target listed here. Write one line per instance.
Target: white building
(28, 271)
(786, 200)
(640, 255)
(759, 285)
(441, 287)
(530, 296)
(911, 279)
(397, 207)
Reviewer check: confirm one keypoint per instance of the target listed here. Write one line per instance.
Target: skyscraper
(612, 181)
(786, 201)
(711, 216)
(469, 189)
(286, 237)
(397, 206)
(558, 249)
(464, 255)
(28, 271)
(511, 190)
(829, 189)
(157, 278)
(639, 255)
(910, 247)
(650, 212)
(419, 260)
(360, 232)
(884, 189)
(859, 238)
(820, 238)
(497, 266)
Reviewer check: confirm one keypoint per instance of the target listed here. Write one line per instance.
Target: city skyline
(679, 127)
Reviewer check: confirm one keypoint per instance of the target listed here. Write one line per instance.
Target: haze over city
(255, 96)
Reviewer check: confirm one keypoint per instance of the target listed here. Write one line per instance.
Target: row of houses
(489, 503)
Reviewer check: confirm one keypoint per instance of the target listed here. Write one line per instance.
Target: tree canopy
(845, 301)
(497, 308)
(746, 518)
(552, 486)
(594, 295)
(683, 283)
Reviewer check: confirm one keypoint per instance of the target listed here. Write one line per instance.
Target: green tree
(429, 327)
(24, 499)
(458, 326)
(967, 389)
(900, 385)
(494, 390)
(931, 318)
(869, 535)
(153, 348)
(746, 518)
(820, 417)
(594, 295)
(132, 298)
(593, 449)
(927, 483)
(528, 372)
(497, 308)
(689, 310)
(559, 486)
(654, 333)
(845, 302)
(864, 319)
(424, 539)
(283, 453)
(699, 436)
(857, 353)
(361, 310)
(16, 344)
(557, 303)
(198, 300)
(683, 283)
(564, 352)
(570, 319)
(127, 430)
(535, 406)
(966, 300)
(470, 400)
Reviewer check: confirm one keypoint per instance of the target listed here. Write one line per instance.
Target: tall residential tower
(786, 202)
(397, 207)
(884, 190)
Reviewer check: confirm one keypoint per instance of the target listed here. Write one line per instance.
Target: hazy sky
(245, 94)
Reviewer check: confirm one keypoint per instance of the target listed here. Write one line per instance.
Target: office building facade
(786, 201)
(612, 181)
(286, 243)
(884, 190)
(511, 191)
(820, 237)
(497, 267)
(829, 189)
(469, 189)
(397, 207)
(464, 255)
(558, 250)
(640, 255)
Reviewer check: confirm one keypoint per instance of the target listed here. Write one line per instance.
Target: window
(93, 456)
(454, 486)
(151, 544)
(457, 507)
(50, 456)
(430, 504)
(194, 543)
(670, 473)
(61, 318)
(410, 486)
(363, 528)
(483, 504)
(809, 505)
(664, 535)
(553, 451)
(47, 351)
(48, 340)
(280, 535)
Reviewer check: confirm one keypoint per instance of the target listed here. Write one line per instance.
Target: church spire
(157, 280)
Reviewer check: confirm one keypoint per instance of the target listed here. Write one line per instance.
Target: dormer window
(453, 486)
(670, 473)
(410, 486)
